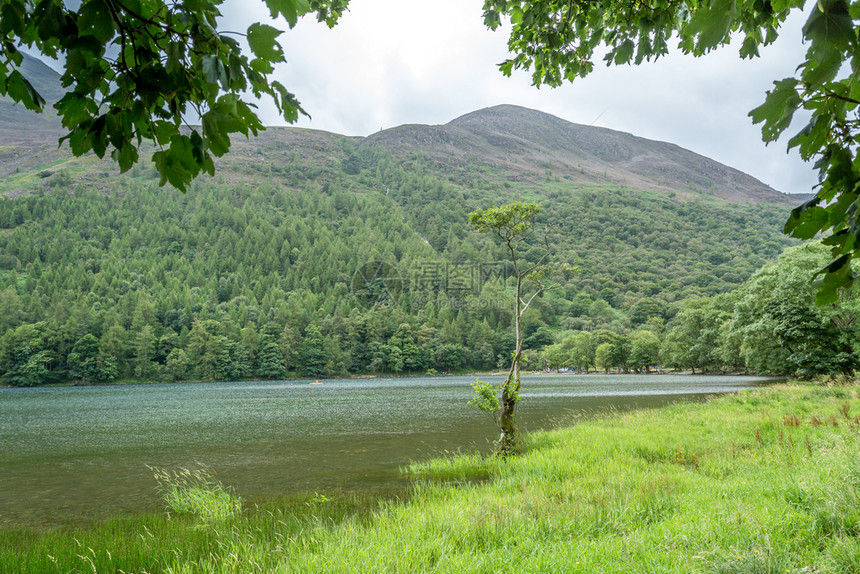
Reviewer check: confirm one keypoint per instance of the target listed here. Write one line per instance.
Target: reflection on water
(81, 452)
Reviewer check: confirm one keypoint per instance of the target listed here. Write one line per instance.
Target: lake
(72, 454)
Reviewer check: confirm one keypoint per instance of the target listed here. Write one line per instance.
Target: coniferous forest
(268, 271)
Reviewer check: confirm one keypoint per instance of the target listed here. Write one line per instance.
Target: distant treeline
(770, 326)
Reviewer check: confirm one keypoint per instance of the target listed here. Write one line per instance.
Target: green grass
(196, 492)
(760, 482)
(30, 179)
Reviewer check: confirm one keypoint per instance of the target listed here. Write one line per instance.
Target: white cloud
(391, 62)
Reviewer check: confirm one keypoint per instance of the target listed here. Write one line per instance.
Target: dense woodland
(256, 278)
(770, 325)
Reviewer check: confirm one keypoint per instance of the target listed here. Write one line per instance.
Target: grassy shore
(765, 481)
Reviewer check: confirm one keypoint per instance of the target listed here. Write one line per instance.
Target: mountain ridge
(507, 143)
(526, 143)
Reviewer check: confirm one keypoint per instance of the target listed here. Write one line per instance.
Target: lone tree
(513, 224)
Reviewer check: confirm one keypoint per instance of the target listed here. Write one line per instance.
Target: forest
(265, 278)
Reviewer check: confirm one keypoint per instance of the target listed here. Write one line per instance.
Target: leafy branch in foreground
(557, 41)
(141, 70)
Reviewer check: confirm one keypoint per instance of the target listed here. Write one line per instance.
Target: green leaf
(624, 52)
(778, 109)
(50, 19)
(249, 118)
(711, 24)
(486, 397)
(213, 70)
(95, 19)
(14, 55)
(201, 156)
(126, 156)
(236, 73)
(175, 57)
(75, 109)
(86, 46)
(817, 72)
(840, 207)
(177, 164)
(287, 103)
(516, 16)
(218, 124)
(164, 131)
(21, 90)
(78, 138)
(291, 9)
(840, 170)
(263, 42)
(749, 49)
(810, 223)
(97, 135)
(261, 67)
(781, 5)
(116, 128)
(797, 214)
(830, 29)
(812, 137)
(12, 18)
(492, 20)
(837, 275)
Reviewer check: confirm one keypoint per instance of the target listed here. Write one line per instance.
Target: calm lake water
(76, 453)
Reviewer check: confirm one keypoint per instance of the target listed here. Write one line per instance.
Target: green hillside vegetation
(251, 275)
(771, 325)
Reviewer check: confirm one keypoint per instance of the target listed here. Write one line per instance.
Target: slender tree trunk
(509, 438)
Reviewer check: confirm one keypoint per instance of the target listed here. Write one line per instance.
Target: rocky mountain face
(17, 123)
(507, 144)
(524, 144)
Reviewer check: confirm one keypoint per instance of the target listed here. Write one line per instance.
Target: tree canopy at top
(137, 70)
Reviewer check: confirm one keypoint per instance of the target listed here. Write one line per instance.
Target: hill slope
(515, 144)
(259, 270)
(17, 123)
(525, 144)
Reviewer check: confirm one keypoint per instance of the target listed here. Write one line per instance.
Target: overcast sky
(393, 62)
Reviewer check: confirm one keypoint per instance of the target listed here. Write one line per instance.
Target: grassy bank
(761, 482)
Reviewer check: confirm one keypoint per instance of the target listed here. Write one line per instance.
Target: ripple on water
(73, 453)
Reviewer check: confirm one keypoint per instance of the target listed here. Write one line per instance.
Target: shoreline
(400, 376)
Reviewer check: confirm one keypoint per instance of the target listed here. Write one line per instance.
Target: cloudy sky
(393, 62)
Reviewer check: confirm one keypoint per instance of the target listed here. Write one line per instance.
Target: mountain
(510, 143)
(17, 123)
(524, 144)
(268, 267)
